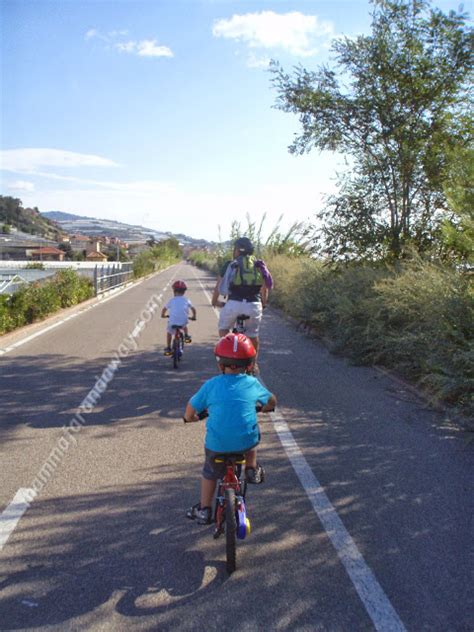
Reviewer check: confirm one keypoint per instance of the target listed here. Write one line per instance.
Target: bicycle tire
(230, 531)
(175, 352)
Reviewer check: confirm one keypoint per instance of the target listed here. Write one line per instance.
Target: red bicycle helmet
(235, 350)
(179, 285)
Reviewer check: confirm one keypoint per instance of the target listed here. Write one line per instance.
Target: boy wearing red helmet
(232, 425)
(178, 310)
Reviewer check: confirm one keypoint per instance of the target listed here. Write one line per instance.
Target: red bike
(230, 511)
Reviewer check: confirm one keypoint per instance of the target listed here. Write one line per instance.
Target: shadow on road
(45, 391)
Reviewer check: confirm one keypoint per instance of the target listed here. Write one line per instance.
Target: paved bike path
(105, 544)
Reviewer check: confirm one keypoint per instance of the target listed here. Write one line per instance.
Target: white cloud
(294, 32)
(145, 48)
(258, 62)
(142, 48)
(20, 185)
(31, 159)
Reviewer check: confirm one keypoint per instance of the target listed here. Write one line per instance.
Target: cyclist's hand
(193, 418)
(218, 304)
(193, 318)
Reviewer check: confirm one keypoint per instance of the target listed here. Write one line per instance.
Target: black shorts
(213, 471)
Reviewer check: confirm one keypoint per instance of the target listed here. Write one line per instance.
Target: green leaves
(393, 104)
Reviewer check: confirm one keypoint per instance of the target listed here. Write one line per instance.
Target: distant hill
(26, 220)
(59, 216)
(80, 224)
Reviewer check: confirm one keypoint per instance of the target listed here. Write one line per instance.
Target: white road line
(376, 602)
(12, 514)
(209, 298)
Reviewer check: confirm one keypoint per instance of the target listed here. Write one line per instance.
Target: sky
(161, 112)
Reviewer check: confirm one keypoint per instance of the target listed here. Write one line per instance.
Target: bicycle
(177, 344)
(239, 327)
(230, 511)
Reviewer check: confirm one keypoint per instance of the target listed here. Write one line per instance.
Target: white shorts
(232, 309)
(171, 331)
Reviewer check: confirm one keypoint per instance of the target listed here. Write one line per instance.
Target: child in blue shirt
(232, 425)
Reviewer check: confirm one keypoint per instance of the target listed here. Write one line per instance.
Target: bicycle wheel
(230, 530)
(175, 352)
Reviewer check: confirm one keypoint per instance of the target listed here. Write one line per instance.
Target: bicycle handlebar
(204, 413)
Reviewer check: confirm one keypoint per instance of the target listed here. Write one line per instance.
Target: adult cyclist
(247, 292)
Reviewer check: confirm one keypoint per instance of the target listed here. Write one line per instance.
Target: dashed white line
(12, 514)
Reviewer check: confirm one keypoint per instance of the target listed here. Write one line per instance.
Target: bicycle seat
(242, 317)
(177, 326)
(229, 457)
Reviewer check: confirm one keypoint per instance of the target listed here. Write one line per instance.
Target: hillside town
(16, 245)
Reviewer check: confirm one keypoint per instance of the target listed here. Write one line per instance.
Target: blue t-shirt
(231, 399)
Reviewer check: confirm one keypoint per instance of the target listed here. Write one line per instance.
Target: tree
(393, 110)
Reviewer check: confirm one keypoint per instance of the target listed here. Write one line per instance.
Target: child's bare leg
(168, 339)
(208, 487)
(185, 330)
(251, 458)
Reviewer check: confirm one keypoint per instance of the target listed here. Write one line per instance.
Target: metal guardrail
(10, 283)
(109, 277)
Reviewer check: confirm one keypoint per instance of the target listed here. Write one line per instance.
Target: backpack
(246, 270)
(247, 273)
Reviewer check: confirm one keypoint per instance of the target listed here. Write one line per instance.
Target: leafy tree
(6, 229)
(457, 230)
(393, 110)
(67, 249)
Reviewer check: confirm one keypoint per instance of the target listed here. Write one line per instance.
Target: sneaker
(188, 339)
(255, 475)
(202, 516)
(167, 351)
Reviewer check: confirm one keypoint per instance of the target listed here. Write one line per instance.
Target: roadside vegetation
(384, 272)
(158, 255)
(37, 300)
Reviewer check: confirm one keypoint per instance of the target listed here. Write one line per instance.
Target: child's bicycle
(230, 510)
(177, 343)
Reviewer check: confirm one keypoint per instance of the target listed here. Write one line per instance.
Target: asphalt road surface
(364, 521)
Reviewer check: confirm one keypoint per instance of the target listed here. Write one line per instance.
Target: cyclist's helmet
(179, 285)
(235, 351)
(244, 246)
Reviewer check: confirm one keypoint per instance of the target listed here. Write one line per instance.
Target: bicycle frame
(177, 345)
(233, 479)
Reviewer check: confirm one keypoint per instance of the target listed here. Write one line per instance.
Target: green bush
(206, 261)
(71, 287)
(37, 300)
(417, 319)
(156, 257)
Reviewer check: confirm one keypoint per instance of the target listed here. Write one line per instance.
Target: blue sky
(159, 112)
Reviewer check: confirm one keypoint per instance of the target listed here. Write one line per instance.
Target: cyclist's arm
(270, 405)
(163, 312)
(190, 414)
(193, 312)
(215, 293)
(264, 294)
